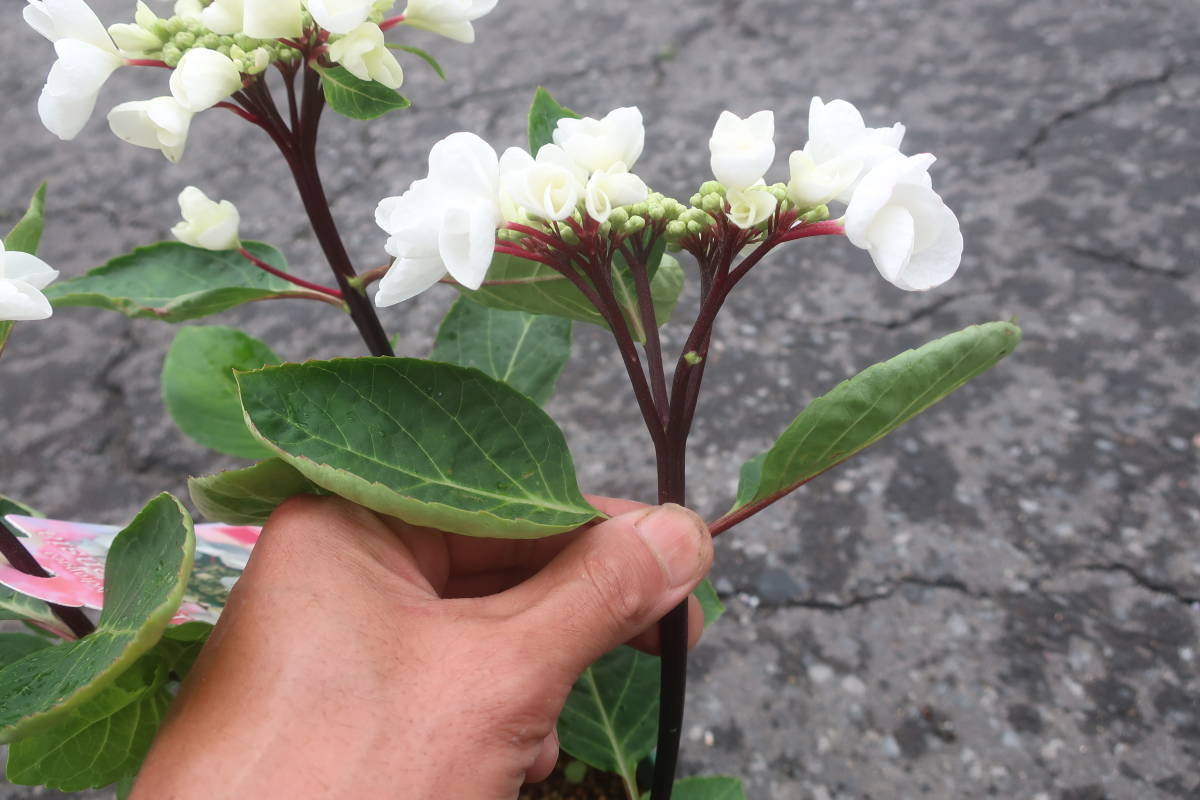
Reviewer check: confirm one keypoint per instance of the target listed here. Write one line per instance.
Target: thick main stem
(20, 559)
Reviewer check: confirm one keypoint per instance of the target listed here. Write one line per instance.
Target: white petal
(340, 16)
(30, 269)
(466, 242)
(465, 163)
(204, 78)
(408, 278)
(223, 17)
(937, 262)
(68, 19)
(71, 89)
(272, 19)
(21, 302)
(891, 237)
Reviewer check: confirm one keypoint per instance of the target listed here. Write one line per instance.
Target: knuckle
(617, 587)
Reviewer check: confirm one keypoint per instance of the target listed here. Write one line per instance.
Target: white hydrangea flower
(87, 56)
(598, 144)
(364, 53)
(750, 206)
(160, 124)
(204, 78)
(449, 18)
(445, 223)
(912, 236)
(546, 187)
(742, 149)
(611, 188)
(840, 150)
(206, 223)
(22, 278)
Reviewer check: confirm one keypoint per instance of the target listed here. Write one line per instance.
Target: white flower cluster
(891, 208)
(213, 46)
(447, 221)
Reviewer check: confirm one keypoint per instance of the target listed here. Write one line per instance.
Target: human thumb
(613, 582)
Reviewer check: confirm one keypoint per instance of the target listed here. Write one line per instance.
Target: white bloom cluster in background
(214, 47)
(447, 221)
(22, 278)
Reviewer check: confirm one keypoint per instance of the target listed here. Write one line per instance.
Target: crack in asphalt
(1126, 261)
(1026, 152)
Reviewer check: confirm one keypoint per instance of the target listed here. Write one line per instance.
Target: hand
(362, 657)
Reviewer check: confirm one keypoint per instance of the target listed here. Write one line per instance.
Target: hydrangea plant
(535, 239)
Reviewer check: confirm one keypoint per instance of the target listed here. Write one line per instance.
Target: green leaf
(434, 444)
(248, 496)
(862, 410)
(15, 646)
(421, 54)
(26, 235)
(706, 593)
(180, 645)
(123, 788)
(358, 99)
(544, 114)
(538, 289)
(5, 329)
(174, 282)
(526, 351)
(200, 392)
(720, 787)
(145, 574)
(100, 741)
(610, 720)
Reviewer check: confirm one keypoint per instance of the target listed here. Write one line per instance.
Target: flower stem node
(693, 358)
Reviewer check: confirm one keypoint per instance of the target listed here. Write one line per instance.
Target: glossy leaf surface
(434, 444)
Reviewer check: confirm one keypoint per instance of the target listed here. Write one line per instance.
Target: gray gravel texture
(1002, 600)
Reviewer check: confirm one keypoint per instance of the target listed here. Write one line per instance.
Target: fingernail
(674, 535)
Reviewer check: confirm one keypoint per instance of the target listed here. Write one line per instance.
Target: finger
(611, 583)
(543, 765)
(648, 641)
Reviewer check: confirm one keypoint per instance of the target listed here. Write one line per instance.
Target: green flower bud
(633, 225)
(713, 202)
(605, 228)
(655, 211)
(692, 358)
(696, 200)
(184, 39)
(618, 217)
(818, 214)
(676, 229)
(695, 227)
(209, 41)
(171, 55)
(639, 210)
(779, 190)
(711, 187)
(245, 42)
(172, 26)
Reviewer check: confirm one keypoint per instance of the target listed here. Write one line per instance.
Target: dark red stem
(15, 553)
(316, 287)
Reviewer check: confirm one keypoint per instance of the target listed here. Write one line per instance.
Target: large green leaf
(526, 351)
(145, 574)
(26, 235)
(174, 282)
(710, 603)
(248, 496)
(862, 410)
(434, 444)
(101, 741)
(610, 719)
(544, 114)
(15, 646)
(358, 99)
(526, 285)
(720, 787)
(200, 392)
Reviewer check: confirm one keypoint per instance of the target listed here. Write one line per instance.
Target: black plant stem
(298, 145)
(20, 559)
